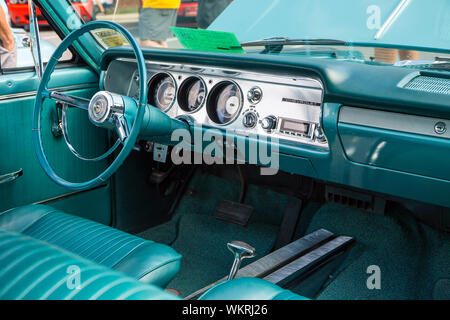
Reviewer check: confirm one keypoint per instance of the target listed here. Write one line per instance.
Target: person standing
(155, 19)
(209, 10)
(8, 48)
(390, 55)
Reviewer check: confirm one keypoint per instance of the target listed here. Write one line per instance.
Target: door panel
(17, 93)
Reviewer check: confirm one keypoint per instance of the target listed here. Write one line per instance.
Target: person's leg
(152, 43)
(386, 55)
(409, 55)
(172, 15)
(154, 27)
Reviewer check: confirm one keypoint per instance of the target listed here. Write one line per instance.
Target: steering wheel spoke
(78, 102)
(109, 114)
(121, 127)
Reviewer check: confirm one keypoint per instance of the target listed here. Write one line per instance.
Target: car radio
(295, 128)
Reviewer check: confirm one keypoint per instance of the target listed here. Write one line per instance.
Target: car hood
(420, 24)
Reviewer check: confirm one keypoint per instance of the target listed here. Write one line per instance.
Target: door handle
(10, 176)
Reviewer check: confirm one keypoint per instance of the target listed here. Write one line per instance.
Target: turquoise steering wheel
(102, 108)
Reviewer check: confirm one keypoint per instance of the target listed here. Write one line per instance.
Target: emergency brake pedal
(233, 212)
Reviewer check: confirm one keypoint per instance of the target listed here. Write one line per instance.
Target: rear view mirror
(34, 39)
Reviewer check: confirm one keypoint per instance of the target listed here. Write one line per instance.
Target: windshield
(404, 33)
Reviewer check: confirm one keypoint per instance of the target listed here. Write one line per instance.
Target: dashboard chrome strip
(33, 93)
(294, 99)
(395, 121)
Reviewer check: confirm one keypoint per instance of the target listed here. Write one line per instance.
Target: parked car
(24, 57)
(187, 14)
(18, 11)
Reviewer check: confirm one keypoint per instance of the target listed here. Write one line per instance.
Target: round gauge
(192, 94)
(224, 102)
(161, 91)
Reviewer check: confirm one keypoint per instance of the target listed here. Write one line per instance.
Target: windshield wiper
(288, 41)
(276, 44)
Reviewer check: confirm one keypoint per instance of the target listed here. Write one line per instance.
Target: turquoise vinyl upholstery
(31, 269)
(141, 259)
(249, 289)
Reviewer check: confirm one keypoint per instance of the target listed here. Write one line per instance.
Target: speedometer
(161, 91)
(224, 102)
(192, 94)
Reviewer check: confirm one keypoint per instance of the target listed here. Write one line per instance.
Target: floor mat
(411, 256)
(202, 242)
(201, 238)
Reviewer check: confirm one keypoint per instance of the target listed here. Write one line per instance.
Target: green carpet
(201, 238)
(412, 256)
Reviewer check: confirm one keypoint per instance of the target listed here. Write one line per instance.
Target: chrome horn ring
(65, 132)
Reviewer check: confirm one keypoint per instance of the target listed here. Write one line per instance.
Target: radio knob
(250, 120)
(269, 123)
(254, 95)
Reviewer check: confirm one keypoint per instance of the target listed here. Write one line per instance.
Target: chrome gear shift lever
(240, 250)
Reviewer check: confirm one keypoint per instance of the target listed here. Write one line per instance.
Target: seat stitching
(115, 238)
(107, 257)
(10, 240)
(54, 222)
(86, 283)
(44, 276)
(108, 287)
(25, 272)
(94, 226)
(87, 240)
(31, 224)
(130, 292)
(40, 230)
(19, 246)
(58, 284)
(127, 242)
(68, 225)
(20, 259)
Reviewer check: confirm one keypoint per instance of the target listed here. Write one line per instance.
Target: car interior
(290, 178)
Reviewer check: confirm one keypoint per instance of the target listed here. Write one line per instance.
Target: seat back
(33, 269)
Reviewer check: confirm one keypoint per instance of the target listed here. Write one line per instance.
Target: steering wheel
(105, 109)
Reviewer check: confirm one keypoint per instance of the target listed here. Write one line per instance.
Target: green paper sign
(207, 40)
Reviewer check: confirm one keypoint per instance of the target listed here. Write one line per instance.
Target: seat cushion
(249, 289)
(141, 259)
(32, 269)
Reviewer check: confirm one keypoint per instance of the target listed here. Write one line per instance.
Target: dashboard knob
(254, 95)
(269, 123)
(250, 120)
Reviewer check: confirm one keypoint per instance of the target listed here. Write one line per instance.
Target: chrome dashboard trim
(278, 90)
(393, 121)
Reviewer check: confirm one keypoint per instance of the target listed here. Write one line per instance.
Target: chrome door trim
(33, 93)
(10, 176)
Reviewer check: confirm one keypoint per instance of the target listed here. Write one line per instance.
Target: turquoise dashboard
(372, 127)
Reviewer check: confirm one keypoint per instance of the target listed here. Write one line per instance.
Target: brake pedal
(233, 212)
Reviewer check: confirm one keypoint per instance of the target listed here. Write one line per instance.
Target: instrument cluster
(285, 107)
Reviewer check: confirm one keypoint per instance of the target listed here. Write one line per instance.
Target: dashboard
(287, 108)
(377, 128)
